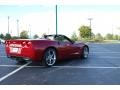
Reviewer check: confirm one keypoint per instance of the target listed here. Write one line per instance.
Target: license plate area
(15, 50)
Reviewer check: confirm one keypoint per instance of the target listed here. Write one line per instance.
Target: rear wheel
(85, 52)
(49, 58)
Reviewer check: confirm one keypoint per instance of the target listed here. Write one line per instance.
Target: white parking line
(107, 57)
(89, 67)
(104, 52)
(18, 66)
(10, 65)
(13, 72)
(3, 56)
(2, 53)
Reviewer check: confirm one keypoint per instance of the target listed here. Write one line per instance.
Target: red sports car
(47, 50)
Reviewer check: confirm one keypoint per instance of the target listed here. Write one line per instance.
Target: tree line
(84, 33)
(23, 35)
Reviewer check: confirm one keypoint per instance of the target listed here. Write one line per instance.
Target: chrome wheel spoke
(50, 57)
(49, 53)
(50, 61)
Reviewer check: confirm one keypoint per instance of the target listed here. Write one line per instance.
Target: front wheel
(49, 58)
(85, 52)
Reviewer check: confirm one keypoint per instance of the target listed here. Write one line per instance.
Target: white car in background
(2, 41)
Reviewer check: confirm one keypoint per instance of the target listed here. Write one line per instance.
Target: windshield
(49, 37)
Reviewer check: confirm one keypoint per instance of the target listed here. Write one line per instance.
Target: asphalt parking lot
(102, 67)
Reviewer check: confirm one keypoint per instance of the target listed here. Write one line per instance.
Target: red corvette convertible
(47, 50)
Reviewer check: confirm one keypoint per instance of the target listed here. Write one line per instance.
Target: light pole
(112, 31)
(8, 24)
(18, 27)
(56, 21)
(90, 19)
(29, 31)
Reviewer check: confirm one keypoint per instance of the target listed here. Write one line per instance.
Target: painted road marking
(105, 52)
(89, 67)
(13, 72)
(2, 52)
(3, 56)
(18, 66)
(10, 65)
(107, 57)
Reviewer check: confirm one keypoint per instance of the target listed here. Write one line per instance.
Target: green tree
(2, 36)
(115, 37)
(84, 31)
(24, 34)
(99, 37)
(74, 37)
(35, 36)
(92, 35)
(15, 37)
(7, 36)
(109, 36)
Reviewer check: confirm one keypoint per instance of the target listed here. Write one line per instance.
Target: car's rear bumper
(26, 54)
(18, 57)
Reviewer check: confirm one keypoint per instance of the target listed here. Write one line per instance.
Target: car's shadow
(66, 62)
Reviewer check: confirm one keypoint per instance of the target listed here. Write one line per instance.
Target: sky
(40, 19)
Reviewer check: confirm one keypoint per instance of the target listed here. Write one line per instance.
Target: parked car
(46, 50)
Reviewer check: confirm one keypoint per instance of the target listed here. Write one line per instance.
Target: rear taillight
(23, 43)
(26, 44)
(7, 42)
(29, 43)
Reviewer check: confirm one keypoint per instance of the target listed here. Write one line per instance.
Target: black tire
(50, 57)
(85, 52)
